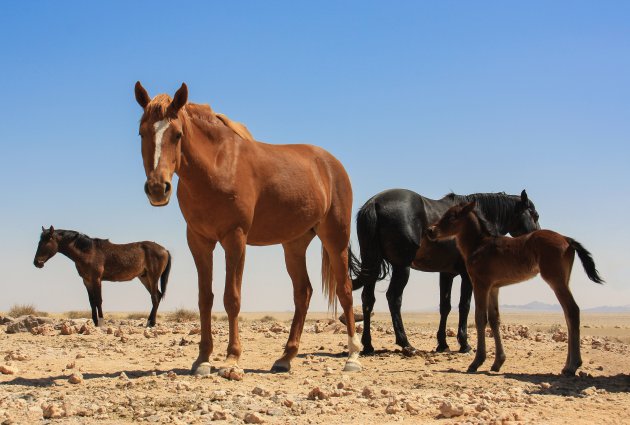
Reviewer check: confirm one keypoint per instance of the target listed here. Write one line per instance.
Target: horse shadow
(560, 385)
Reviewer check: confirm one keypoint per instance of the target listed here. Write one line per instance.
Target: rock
(219, 415)
(75, 378)
(368, 393)
(275, 411)
(253, 418)
(232, 373)
(71, 365)
(8, 370)
(317, 394)
(545, 385)
(560, 336)
(358, 315)
(6, 319)
(27, 324)
(449, 410)
(52, 411)
(451, 332)
(19, 356)
(392, 408)
(67, 329)
(261, 392)
(413, 409)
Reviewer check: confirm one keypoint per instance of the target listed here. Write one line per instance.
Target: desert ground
(57, 370)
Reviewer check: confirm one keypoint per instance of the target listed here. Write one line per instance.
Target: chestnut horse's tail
(372, 266)
(164, 277)
(329, 283)
(587, 260)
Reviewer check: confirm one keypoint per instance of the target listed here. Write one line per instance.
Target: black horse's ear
(179, 100)
(51, 230)
(142, 97)
(524, 198)
(43, 229)
(469, 207)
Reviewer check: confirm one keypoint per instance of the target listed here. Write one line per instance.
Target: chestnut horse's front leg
(202, 250)
(234, 245)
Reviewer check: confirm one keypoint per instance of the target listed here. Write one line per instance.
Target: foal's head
(524, 218)
(161, 133)
(452, 222)
(48, 246)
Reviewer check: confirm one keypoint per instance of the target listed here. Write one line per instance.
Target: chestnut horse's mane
(156, 110)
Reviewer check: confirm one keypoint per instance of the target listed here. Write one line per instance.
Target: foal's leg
(493, 317)
(151, 284)
(572, 317)
(295, 259)
(446, 284)
(367, 300)
(202, 250)
(481, 319)
(400, 277)
(464, 308)
(234, 246)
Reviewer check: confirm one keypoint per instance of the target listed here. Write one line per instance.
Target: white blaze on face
(160, 127)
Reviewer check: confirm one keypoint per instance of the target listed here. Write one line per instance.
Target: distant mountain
(538, 306)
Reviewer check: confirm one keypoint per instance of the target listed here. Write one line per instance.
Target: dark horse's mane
(81, 241)
(498, 206)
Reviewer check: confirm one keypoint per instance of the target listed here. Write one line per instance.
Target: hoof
(202, 369)
(100, 323)
(367, 351)
(495, 367)
(442, 348)
(410, 351)
(233, 373)
(281, 367)
(465, 349)
(568, 371)
(352, 366)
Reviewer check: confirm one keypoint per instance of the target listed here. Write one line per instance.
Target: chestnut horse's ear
(179, 100)
(142, 97)
(524, 198)
(469, 207)
(51, 230)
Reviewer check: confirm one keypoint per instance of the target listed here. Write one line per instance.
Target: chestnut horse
(99, 259)
(237, 191)
(496, 261)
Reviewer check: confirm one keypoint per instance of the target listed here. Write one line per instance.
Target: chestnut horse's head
(524, 218)
(161, 132)
(451, 223)
(47, 247)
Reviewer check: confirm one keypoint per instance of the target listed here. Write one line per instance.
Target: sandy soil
(123, 373)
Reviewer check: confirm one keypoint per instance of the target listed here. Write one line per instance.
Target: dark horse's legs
(400, 277)
(446, 284)
(92, 296)
(367, 300)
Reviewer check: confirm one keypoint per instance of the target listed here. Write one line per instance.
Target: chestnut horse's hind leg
(481, 319)
(446, 284)
(295, 259)
(464, 308)
(234, 246)
(493, 317)
(202, 250)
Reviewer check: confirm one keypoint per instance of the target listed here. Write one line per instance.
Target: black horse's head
(524, 218)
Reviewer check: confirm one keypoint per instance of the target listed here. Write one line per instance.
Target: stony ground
(68, 372)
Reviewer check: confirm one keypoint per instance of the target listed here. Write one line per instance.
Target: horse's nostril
(167, 188)
(146, 188)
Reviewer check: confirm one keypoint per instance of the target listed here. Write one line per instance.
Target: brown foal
(496, 261)
(99, 259)
(237, 191)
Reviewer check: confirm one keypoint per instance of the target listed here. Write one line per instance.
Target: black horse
(390, 229)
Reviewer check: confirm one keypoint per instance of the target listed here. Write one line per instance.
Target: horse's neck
(67, 248)
(493, 214)
(471, 236)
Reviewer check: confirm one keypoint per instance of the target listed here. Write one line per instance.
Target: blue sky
(430, 96)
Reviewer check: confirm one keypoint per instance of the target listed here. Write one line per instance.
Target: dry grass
(78, 314)
(268, 319)
(18, 310)
(184, 315)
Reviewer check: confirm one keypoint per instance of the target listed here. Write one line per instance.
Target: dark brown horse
(496, 261)
(99, 259)
(237, 191)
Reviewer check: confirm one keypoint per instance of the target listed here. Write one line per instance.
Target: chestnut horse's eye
(178, 135)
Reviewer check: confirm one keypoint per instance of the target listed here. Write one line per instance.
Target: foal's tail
(164, 277)
(372, 266)
(587, 260)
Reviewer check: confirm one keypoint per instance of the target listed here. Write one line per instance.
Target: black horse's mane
(81, 241)
(498, 207)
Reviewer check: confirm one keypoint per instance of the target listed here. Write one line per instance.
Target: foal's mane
(156, 110)
(491, 207)
(81, 241)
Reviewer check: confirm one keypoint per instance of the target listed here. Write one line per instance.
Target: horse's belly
(279, 230)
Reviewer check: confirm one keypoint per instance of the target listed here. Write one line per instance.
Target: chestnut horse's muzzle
(38, 263)
(158, 192)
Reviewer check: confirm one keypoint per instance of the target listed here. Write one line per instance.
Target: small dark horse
(390, 227)
(496, 261)
(99, 259)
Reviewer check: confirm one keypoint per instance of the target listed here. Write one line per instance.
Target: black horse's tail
(372, 265)
(164, 277)
(587, 260)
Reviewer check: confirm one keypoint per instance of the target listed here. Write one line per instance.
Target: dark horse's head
(47, 247)
(161, 132)
(524, 218)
